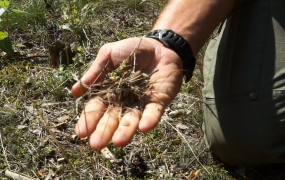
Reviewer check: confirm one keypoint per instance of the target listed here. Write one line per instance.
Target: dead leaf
(198, 172)
(46, 138)
(193, 174)
(107, 153)
(41, 173)
(181, 126)
(31, 110)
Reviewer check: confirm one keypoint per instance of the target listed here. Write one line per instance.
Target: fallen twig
(58, 145)
(196, 157)
(16, 176)
(4, 152)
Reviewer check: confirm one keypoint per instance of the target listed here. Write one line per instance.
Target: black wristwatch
(179, 45)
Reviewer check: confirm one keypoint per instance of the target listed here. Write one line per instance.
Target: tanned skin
(195, 20)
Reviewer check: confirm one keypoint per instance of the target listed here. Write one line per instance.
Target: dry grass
(124, 87)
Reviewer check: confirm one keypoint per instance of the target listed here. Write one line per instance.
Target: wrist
(180, 46)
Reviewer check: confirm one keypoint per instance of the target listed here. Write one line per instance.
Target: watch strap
(179, 45)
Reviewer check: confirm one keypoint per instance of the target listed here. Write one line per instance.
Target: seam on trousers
(264, 39)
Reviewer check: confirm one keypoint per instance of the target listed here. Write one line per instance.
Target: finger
(95, 73)
(151, 116)
(115, 53)
(90, 116)
(105, 129)
(127, 128)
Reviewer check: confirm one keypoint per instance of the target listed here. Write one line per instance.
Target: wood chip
(60, 160)
(21, 127)
(107, 153)
(177, 113)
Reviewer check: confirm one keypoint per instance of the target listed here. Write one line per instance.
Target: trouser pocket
(245, 132)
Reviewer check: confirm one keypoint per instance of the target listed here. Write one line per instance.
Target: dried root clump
(124, 87)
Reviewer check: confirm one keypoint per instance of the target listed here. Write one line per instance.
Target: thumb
(95, 73)
(111, 55)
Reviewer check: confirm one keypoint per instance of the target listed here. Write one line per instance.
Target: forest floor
(38, 112)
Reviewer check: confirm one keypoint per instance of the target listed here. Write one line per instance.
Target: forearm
(194, 20)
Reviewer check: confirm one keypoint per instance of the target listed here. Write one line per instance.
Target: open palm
(104, 124)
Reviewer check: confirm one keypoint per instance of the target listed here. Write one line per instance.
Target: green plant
(5, 42)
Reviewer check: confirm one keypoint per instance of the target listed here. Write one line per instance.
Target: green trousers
(244, 90)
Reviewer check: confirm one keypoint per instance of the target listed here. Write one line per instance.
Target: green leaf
(3, 35)
(4, 3)
(2, 10)
(19, 11)
(3, 6)
(6, 46)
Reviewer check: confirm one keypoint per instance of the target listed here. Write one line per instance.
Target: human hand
(103, 125)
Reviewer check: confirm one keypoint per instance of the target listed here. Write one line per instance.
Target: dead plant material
(60, 54)
(124, 87)
(16, 176)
